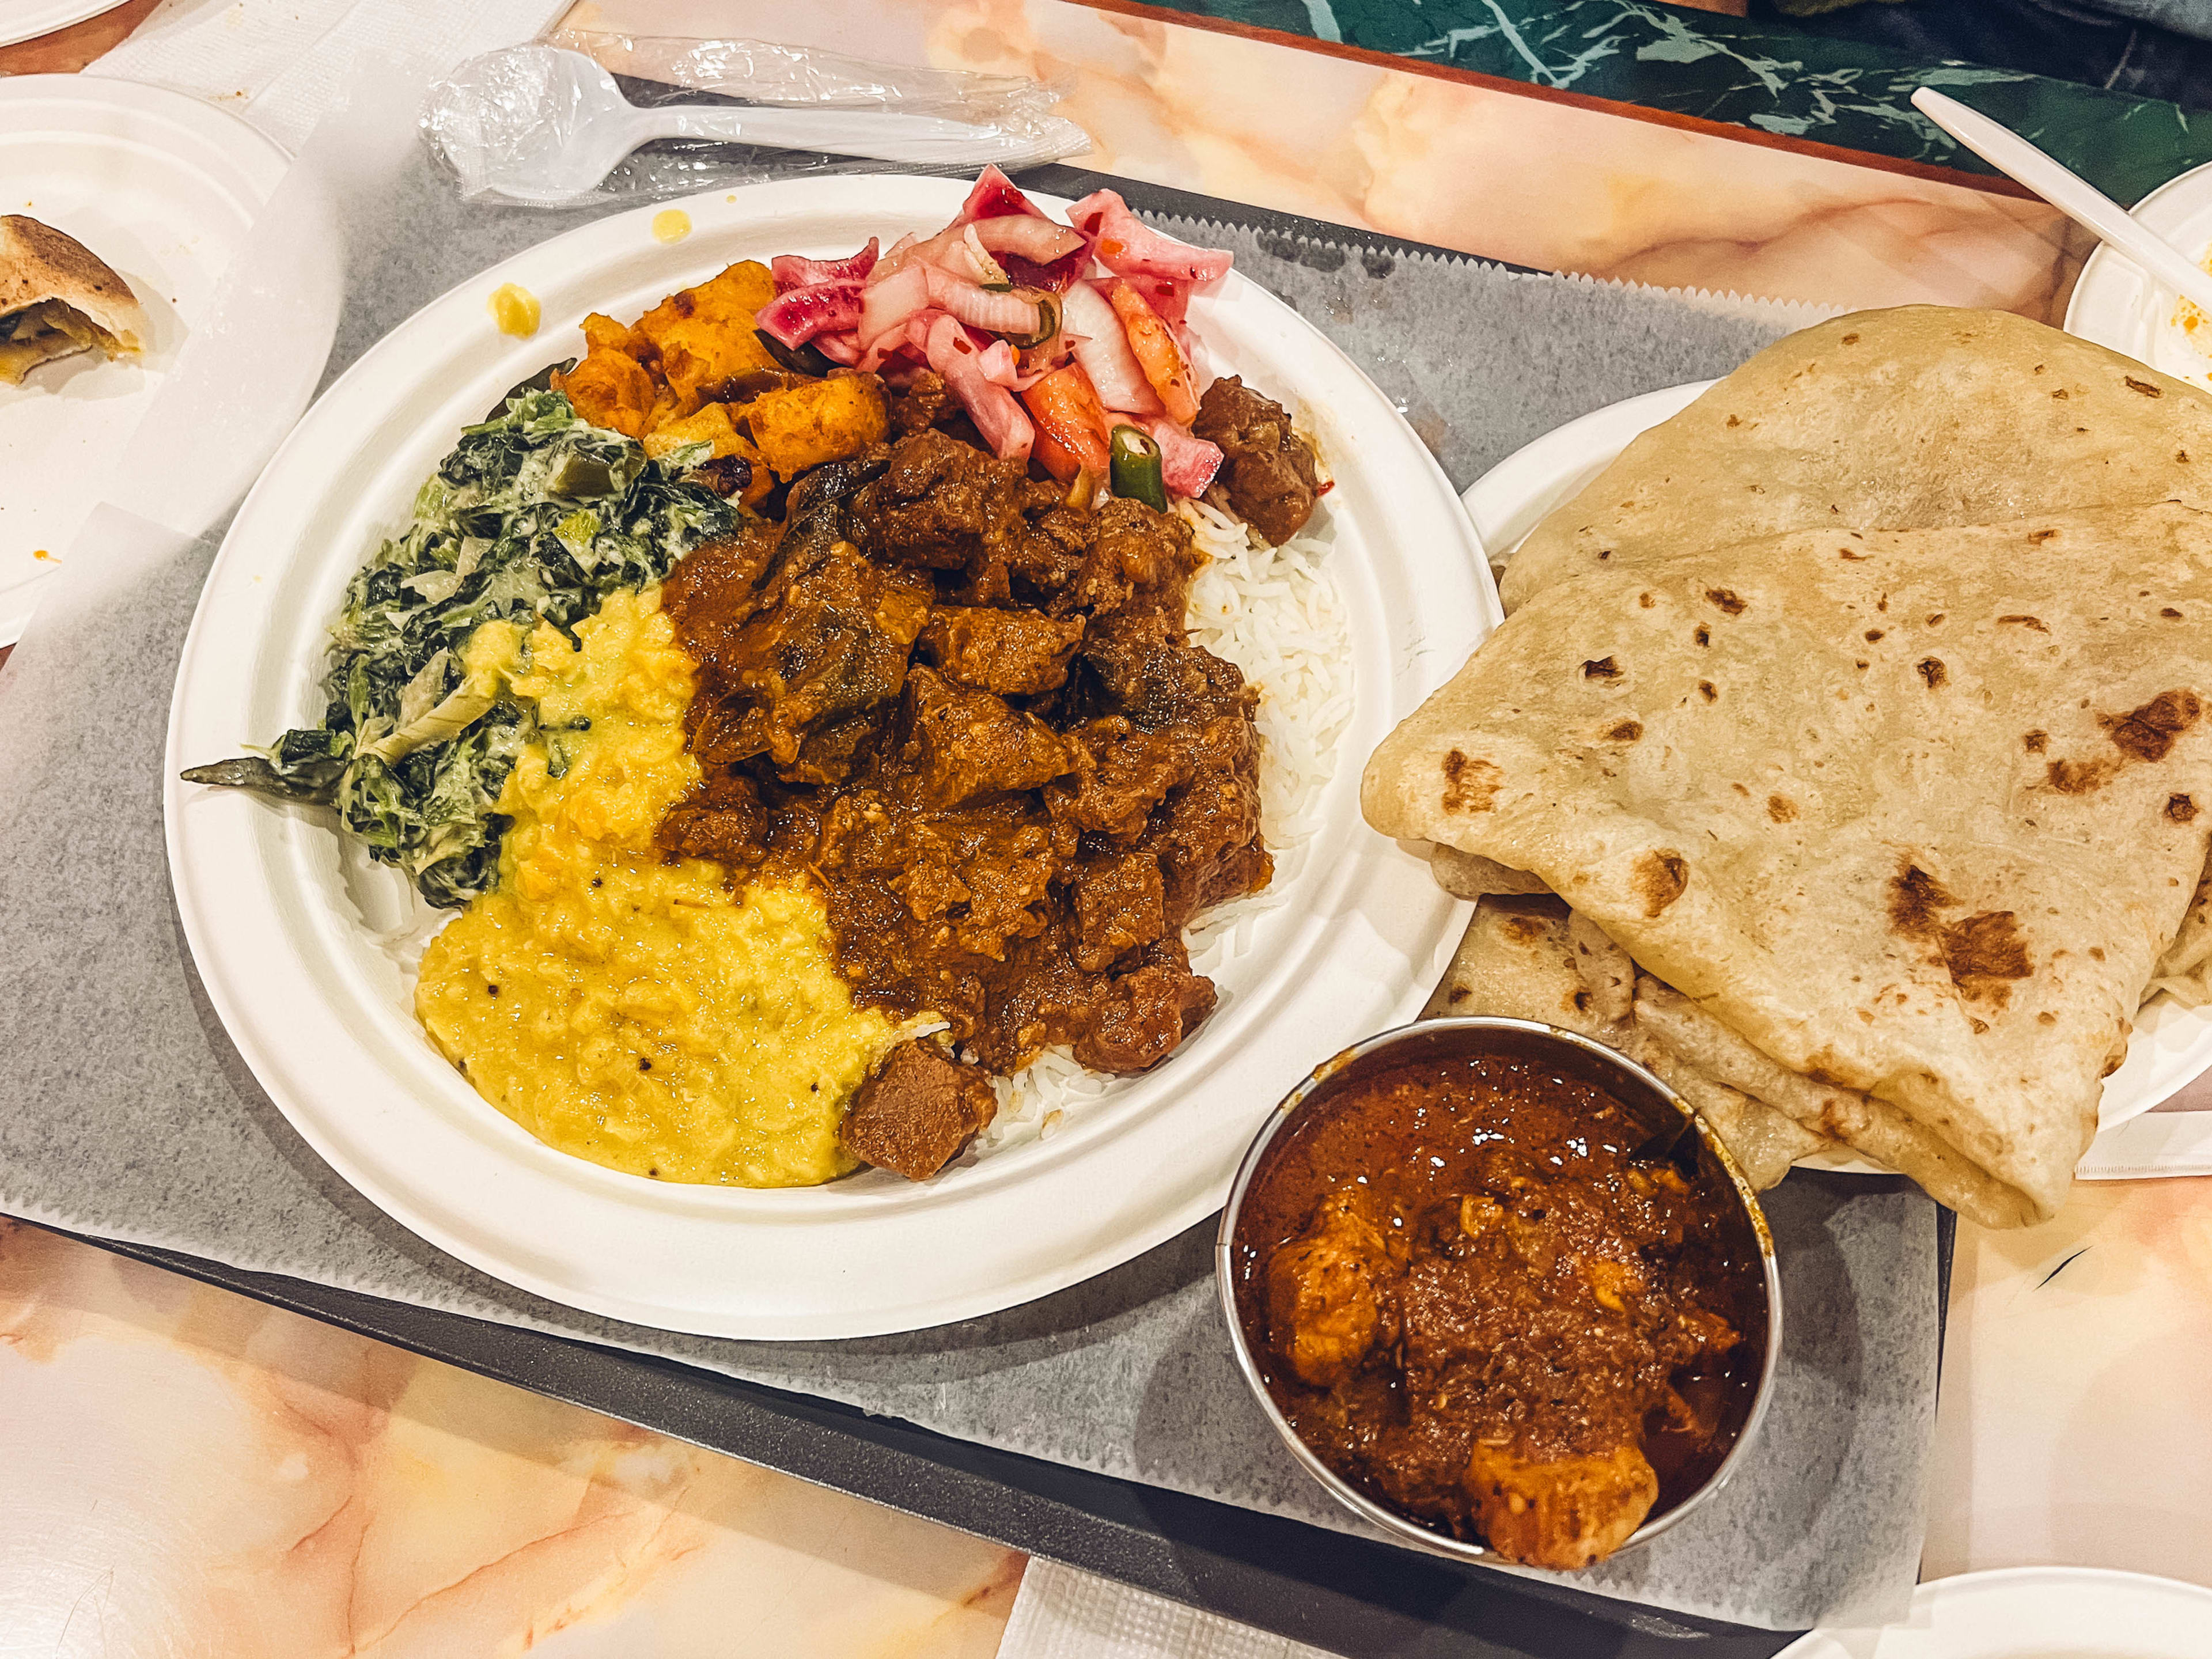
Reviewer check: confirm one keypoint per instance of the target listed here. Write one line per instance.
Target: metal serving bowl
(1514, 1039)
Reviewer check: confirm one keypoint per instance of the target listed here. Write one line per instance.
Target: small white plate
(2116, 304)
(306, 951)
(27, 20)
(2034, 1613)
(164, 188)
(2172, 1045)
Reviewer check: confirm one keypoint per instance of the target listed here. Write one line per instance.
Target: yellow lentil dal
(630, 1010)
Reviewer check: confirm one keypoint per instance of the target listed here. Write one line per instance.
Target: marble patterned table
(189, 1472)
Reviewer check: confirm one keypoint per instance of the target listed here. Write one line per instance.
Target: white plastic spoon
(2072, 195)
(543, 125)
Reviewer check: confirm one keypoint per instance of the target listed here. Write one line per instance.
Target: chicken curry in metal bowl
(1503, 1292)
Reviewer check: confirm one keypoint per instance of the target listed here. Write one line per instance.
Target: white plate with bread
(123, 205)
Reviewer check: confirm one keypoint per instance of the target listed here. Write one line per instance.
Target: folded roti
(58, 298)
(1891, 420)
(1909, 818)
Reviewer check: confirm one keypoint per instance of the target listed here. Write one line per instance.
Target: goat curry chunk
(1479, 1303)
(968, 712)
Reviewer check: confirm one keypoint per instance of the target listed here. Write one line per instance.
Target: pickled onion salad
(1053, 337)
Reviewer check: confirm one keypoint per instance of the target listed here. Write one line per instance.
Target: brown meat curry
(1477, 1297)
(965, 707)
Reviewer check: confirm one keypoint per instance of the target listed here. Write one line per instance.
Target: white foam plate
(27, 20)
(2034, 1613)
(307, 953)
(164, 188)
(2172, 1045)
(2117, 305)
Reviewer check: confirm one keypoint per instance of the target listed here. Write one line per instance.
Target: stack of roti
(1847, 752)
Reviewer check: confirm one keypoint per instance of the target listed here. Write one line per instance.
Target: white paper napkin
(1064, 1613)
(284, 64)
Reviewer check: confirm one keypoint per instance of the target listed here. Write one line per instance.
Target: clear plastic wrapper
(539, 126)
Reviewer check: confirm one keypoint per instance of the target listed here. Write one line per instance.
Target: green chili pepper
(1136, 461)
(1048, 306)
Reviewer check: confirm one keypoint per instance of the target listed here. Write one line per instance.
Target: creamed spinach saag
(534, 516)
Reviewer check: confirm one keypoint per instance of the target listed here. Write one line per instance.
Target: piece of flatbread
(1916, 814)
(58, 298)
(1463, 875)
(1896, 420)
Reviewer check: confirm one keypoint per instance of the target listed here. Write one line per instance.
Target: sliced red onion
(885, 305)
(1038, 241)
(1103, 348)
(1187, 464)
(838, 349)
(895, 257)
(795, 271)
(1053, 278)
(995, 314)
(997, 417)
(1170, 299)
(1001, 367)
(1127, 246)
(793, 318)
(995, 198)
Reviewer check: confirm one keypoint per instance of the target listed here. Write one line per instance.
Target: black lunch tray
(1350, 1597)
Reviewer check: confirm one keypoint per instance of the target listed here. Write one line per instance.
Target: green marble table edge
(1741, 72)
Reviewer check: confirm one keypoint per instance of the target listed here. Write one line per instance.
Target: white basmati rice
(1275, 612)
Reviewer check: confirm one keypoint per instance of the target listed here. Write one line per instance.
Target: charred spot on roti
(1582, 1001)
(1915, 897)
(2143, 386)
(1983, 954)
(1781, 809)
(1470, 786)
(1980, 1026)
(2096, 953)
(2170, 613)
(1705, 691)
(2036, 742)
(1627, 732)
(2046, 1017)
(2027, 622)
(1733, 421)
(2041, 535)
(2181, 809)
(1846, 553)
(2148, 734)
(1659, 879)
(1851, 340)
(2061, 394)
(1605, 668)
(1645, 600)
(1704, 637)
(1932, 670)
(1873, 634)
(1523, 930)
(1726, 600)
(2077, 777)
(1936, 620)
(1459, 994)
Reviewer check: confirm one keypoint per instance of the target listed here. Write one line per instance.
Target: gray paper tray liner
(129, 1114)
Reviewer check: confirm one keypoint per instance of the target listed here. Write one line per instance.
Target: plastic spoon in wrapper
(545, 126)
(2072, 195)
